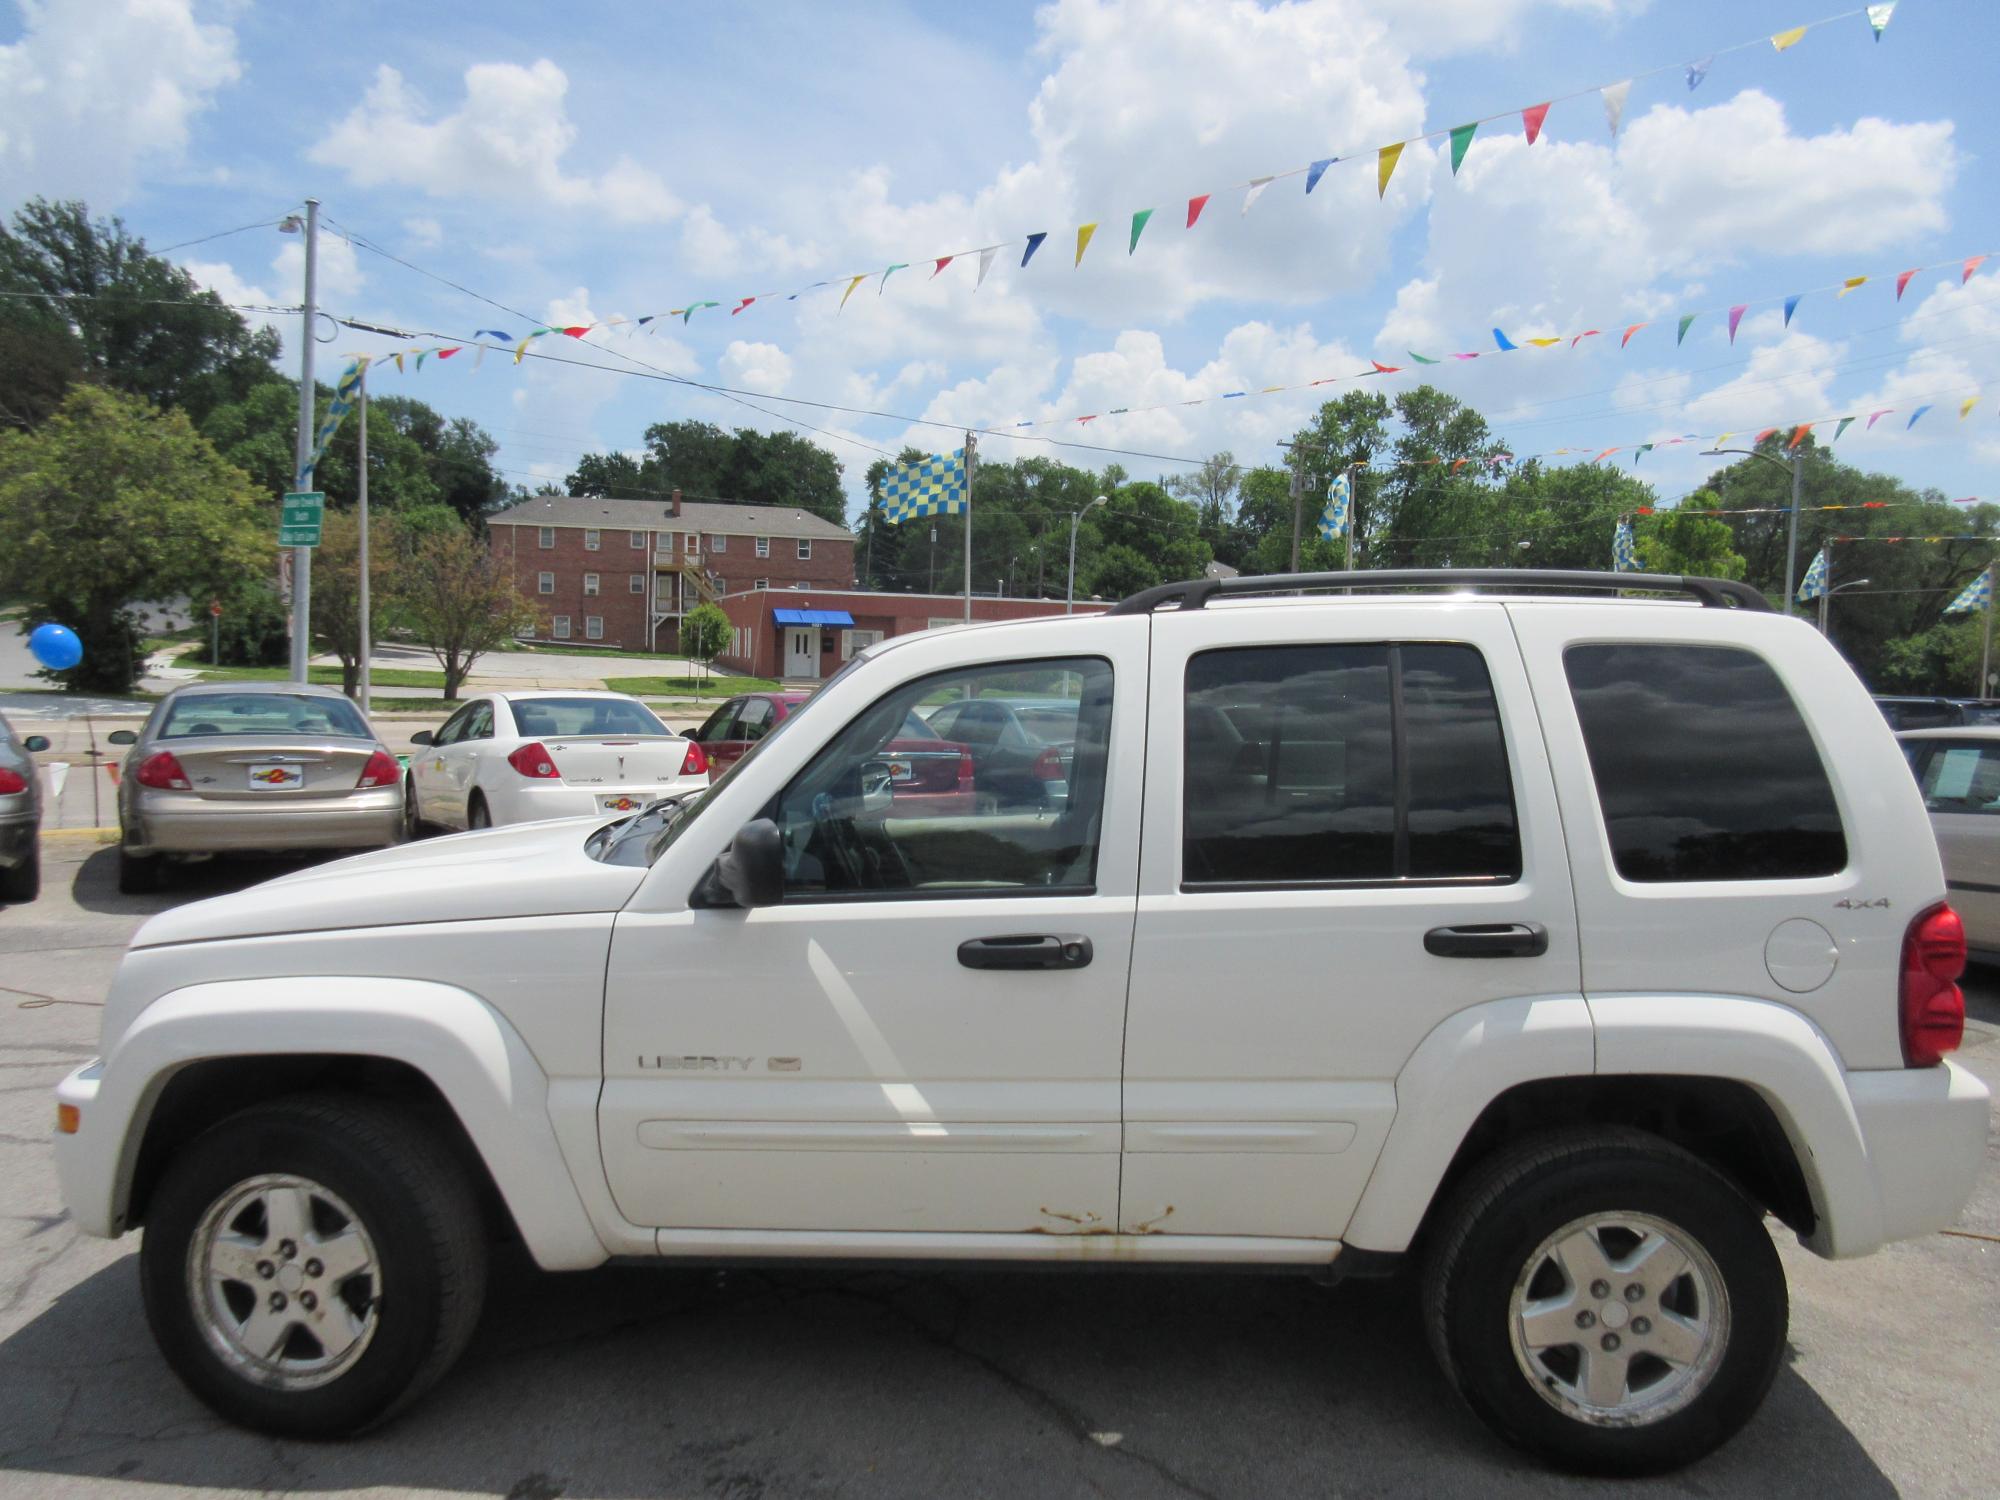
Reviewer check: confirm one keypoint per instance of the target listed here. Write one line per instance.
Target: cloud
(425, 234)
(97, 90)
(756, 367)
(507, 140)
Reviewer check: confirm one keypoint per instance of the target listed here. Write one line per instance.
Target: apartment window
(763, 583)
(561, 628)
(691, 544)
(593, 627)
(852, 641)
(718, 544)
(796, 584)
(592, 540)
(721, 584)
(763, 546)
(805, 549)
(545, 583)
(638, 541)
(1704, 768)
(545, 537)
(635, 583)
(590, 583)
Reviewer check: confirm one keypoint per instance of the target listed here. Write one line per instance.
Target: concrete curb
(104, 835)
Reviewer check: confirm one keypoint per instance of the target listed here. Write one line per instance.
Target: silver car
(233, 767)
(1958, 771)
(20, 817)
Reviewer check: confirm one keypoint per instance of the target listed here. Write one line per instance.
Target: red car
(927, 773)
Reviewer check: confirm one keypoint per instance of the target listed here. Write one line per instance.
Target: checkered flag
(1624, 549)
(1814, 583)
(933, 486)
(1339, 497)
(1977, 595)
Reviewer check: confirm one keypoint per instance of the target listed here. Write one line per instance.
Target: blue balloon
(56, 647)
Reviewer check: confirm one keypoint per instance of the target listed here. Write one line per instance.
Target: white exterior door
(1351, 834)
(926, 1034)
(801, 651)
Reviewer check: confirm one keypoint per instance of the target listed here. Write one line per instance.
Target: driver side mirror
(750, 872)
(421, 737)
(122, 737)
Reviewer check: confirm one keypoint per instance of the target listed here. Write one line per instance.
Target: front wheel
(24, 881)
(1606, 1301)
(477, 813)
(311, 1266)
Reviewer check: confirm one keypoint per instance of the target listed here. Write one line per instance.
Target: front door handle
(1489, 940)
(1027, 951)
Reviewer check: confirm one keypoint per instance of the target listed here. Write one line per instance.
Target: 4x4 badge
(1852, 905)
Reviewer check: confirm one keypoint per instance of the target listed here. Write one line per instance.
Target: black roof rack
(1713, 593)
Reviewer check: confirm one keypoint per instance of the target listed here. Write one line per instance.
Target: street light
(1798, 468)
(1839, 588)
(1069, 590)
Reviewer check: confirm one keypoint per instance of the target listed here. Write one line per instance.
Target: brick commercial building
(805, 634)
(621, 573)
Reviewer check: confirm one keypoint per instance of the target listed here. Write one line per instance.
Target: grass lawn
(330, 675)
(439, 706)
(689, 687)
(543, 648)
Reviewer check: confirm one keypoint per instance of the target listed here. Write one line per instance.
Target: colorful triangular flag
(1971, 265)
(1735, 317)
(1792, 306)
(1624, 547)
(1845, 423)
(1385, 167)
(1914, 415)
(1614, 95)
(1531, 120)
(1628, 334)
(1254, 191)
(1461, 137)
(1875, 416)
(1814, 583)
(1034, 244)
(1138, 228)
(1903, 281)
(1790, 38)
(1696, 71)
(1503, 341)
(942, 262)
(1977, 595)
(1421, 359)
(1318, 170)
(1682, 335)
(852, 283)
(1878, 17)
(1798, 435)
(887, 273)
(1195, 206)
(1965, 407)
(1083, 236)
(1849, 285)
(985, 265)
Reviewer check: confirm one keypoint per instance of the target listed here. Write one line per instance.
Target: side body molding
(467, 1049)
(1469, 1060)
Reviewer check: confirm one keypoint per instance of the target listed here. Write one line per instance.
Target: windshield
(568, 717)
(263, 713)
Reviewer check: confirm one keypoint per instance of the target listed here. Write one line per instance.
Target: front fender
(476, 1060)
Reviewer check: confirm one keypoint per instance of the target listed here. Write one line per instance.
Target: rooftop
(657, 515)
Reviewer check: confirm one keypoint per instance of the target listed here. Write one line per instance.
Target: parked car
(922, 768)
(20, 816)
(1958, 772)
(1021, 747)
(521, 757)
(1547, 943)
(1921, 713)
(252, 767)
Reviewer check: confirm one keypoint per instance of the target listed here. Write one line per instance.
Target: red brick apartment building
(621, 573)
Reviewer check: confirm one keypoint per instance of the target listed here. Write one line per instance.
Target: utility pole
(302, 556)
(361, 506)
(1298, 507)
(930, 584)
(1792, 542)
(1986, 644)
(1069, 589)
(968, 526)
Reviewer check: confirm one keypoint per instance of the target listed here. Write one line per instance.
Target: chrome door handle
(1488, 940)
(1027, 951)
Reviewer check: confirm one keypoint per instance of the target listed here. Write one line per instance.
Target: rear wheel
(24, 881)
(414, 826)
(140, 874)
(1606, 1301)
(312, 1266)
(477, 814)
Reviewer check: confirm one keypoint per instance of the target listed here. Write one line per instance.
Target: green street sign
(298, 520)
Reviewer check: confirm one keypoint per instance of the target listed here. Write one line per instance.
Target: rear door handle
(1027, 951)
(1489, 940)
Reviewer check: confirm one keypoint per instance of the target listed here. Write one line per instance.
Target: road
(632, 1381)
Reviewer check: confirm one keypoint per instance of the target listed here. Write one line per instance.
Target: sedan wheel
(477, 815)
(414, 826)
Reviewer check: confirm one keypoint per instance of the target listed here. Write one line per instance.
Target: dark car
(20, 816)
(925, 770)
(1021, 747)
(1922, 713)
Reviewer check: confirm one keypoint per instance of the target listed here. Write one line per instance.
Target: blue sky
(595, 162)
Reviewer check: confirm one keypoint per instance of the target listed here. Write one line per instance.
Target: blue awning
(812, 617)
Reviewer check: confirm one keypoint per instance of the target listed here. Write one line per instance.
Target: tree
(705, 632)
(136, 321)
(458, 601)
(1681, 541)
(745, 466)
(110, 503)
(336, 586)
(1210, 489)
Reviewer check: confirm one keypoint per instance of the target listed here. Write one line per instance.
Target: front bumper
(532, 803)
(194, 825)
(1925, 1130)
(87, 1160)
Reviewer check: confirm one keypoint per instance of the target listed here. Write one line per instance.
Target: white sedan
(520, 757)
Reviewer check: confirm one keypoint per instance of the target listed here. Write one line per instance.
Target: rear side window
(1345, 764)
(1704, 768)
(1957, 777)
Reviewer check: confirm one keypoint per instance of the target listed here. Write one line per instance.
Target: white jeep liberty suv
(1546, 941)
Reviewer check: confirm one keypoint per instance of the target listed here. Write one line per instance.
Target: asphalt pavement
(920, 1383)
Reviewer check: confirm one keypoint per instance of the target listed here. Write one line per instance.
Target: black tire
(414, 826)
(1486, 1244)
(408, 1195)
(140, 874)
(477, 813)
(24, 881)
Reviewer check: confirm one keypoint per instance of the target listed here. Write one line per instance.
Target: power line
(218, 235)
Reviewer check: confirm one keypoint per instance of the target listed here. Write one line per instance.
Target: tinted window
(1370, 763)
(872, 815)
(717, 727)
(566, 716)
(1958, 778)
(755, 722)
(1704, 769)
(263, 713)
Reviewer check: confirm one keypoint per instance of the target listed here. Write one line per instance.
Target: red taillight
(1048, 765)
(1931, 1007)
(534, 761)
(11, 782)
(381, 770)
(164, 772)
(695, 762)
(965, 778)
